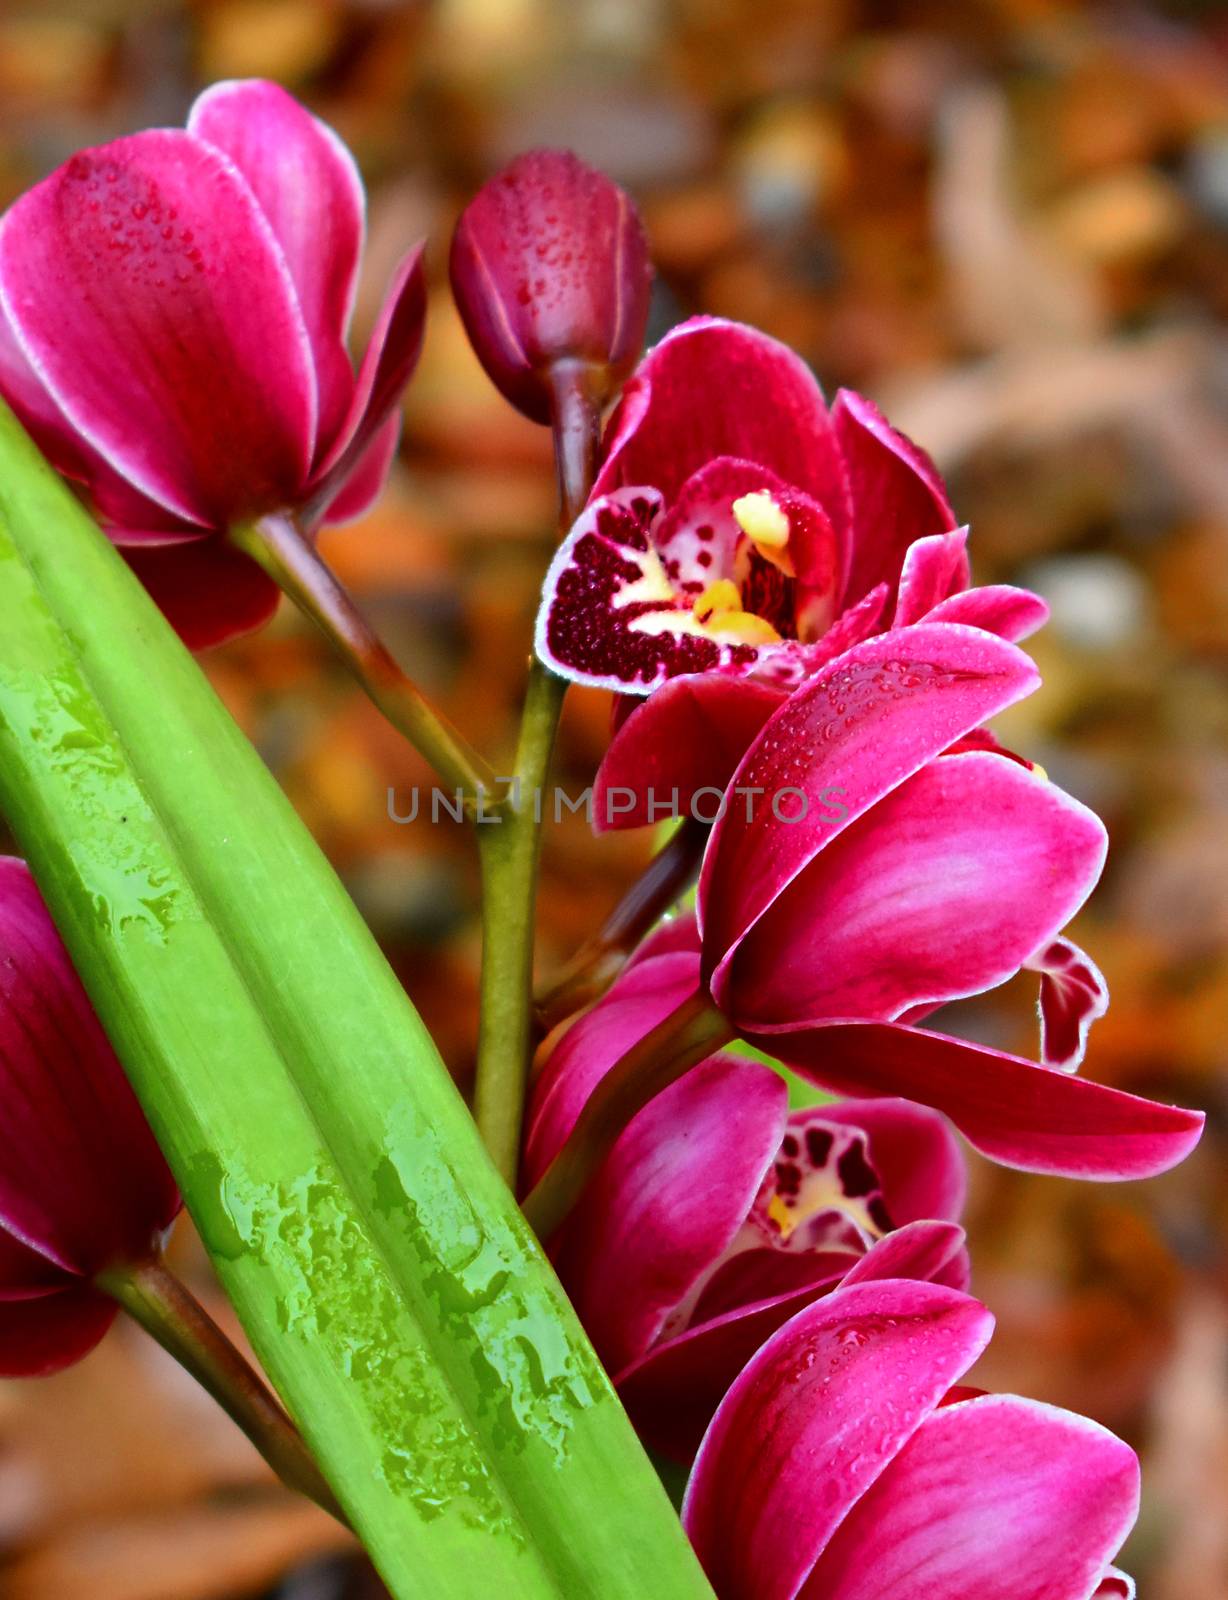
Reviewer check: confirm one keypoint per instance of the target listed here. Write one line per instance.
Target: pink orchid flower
(740, 535)
(173, 317)
(83, 1185)
(842, 1464)
(861, 876)
(719, 1213)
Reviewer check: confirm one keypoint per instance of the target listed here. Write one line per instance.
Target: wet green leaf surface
(383, 1274)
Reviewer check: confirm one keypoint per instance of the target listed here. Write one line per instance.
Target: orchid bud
(84, 1188)
(550, 269)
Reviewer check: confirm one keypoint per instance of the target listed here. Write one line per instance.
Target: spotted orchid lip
(638, 593)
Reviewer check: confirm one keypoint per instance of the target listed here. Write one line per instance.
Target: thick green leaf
(380, 1267)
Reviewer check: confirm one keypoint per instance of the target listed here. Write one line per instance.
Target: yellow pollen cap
(761, 520)
(744, 626)
(719, 596)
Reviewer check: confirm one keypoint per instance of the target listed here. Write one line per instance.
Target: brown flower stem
(593, 968)
(691, 1033)
(155, 1298)
(509, 835)
(291, 559)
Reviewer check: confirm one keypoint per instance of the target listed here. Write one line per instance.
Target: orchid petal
(208, 591)
(686, 738)
(643, 996)
(113, 498)
(82, 1182)
(942, 890)
(671, 935)
(391, 356)
(668, 1200)
(610, 615)
(148, 294)
(920, 1251)
(935, 568)
(671, 1393)
(997, 608)
(914, 1152)
(716, 388)
(991, 1497)
(45, 1334)
(1115, 1585)
(813, 1419)
(309, 188)
(367, 477)
(865, 723)
(697, 534)
(1013, 1111)
(1073, 994)
(896, 493)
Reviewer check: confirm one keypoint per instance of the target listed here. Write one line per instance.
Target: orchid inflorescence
(778, 593)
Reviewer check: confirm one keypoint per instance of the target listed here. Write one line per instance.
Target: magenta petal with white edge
(921, 1251)
(668, 1200)
(1013, 1111)
(309, 189)
(391, 356)
(82, 1182)
(997, 608)
(114, 499)
(671, 1393)
(941, 890)
(935, 568)
(995, 1498)
(813, 1419)
(1115, 1585)
(917, 1157)
(147, 291)
(865, 723)
(643, 996)
(673, 1390)
(1073, 994)
(896, 493)
(716, 388)
(685, 739)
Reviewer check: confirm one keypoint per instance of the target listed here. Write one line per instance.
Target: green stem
(511, 845)
(155, 1298)
(599, 960)
(691, 1033)
(291, 559)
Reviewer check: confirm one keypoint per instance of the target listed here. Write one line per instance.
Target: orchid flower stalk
(477, 1321)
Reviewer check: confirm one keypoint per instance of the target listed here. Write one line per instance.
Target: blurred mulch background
(1008, 222)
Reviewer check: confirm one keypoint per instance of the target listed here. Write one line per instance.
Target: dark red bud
(550, 268)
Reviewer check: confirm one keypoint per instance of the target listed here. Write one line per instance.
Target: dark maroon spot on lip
(788, 1146)
(585, 630)
(857, 1176)
(705, 532)
(818, 1145)
(704, 557)
(879, 1215)
(788, 1178)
